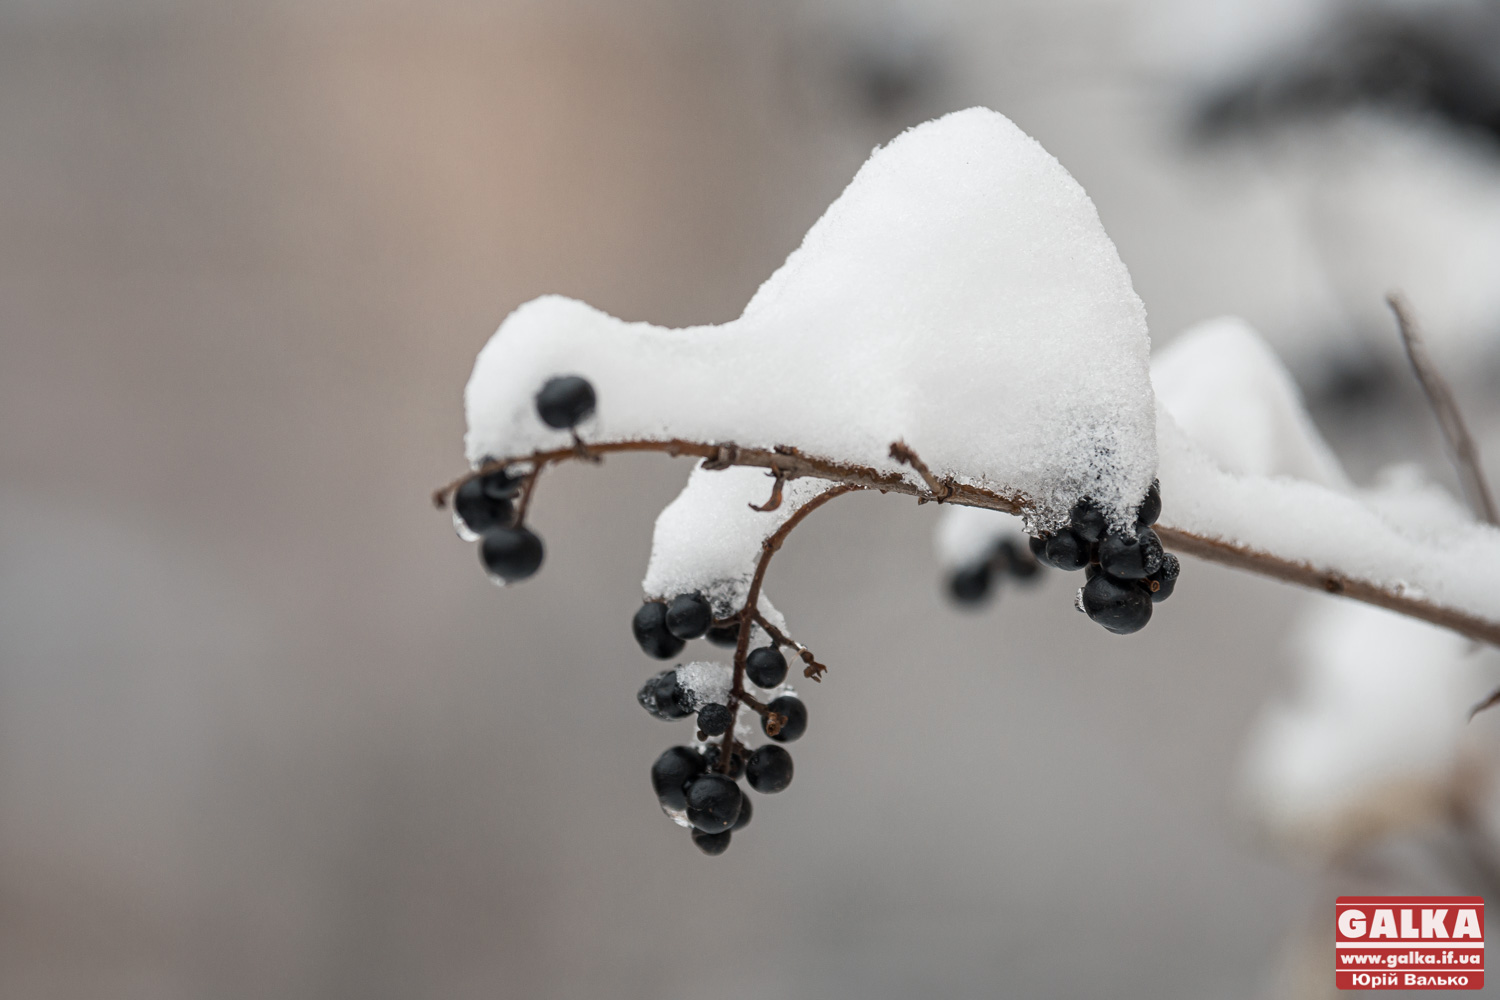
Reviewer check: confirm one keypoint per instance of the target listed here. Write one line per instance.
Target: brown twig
(775, 500)
(814, 670)
(790, 462)
(794, 465)
(1445, 407)
(528, 487)
(1241, 557)
(748, 613)
(941, 490)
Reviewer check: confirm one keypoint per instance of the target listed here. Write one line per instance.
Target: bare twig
(941, 490)
(748, 614)
(775, 500)
(527, 489)
(793, 464)
(582, 450)
(1490, 701)
(1240, 557)
(1445, 407)
(814, 670)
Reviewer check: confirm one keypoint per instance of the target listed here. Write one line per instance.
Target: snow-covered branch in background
(957, 327)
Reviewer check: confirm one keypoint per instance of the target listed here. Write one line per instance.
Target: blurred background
(267, 731)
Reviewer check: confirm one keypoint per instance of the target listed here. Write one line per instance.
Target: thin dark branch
(748, 614)
(1445, 407)
(793, 465)
(902, 453)
(1490, 701)
(775, 501)
(790, 462)
(1240, 557)
(814, 670)
(527, 489)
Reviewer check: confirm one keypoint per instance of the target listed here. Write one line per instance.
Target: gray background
(266, 731)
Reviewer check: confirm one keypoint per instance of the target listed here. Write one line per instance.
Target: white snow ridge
(960, 295)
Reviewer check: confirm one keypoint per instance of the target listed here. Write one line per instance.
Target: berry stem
(1445, 406)
(941, 490)
(814, 670)
(527, 488)
(748, 615)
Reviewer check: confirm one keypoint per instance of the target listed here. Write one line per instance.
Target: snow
(708, 540)
(1375, 737)
(1230, 394)
(1225, 476)
(706, 682)
(961, 295)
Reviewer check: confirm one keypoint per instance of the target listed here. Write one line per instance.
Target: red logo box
(1409, 942)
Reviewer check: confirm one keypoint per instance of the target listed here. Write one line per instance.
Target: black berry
(478, 509)
(769, 769)
(795, 713)
(970, 585)
(1120, 606)
(1021, 565)
(1067, 550)
(650, 628)
(1164, 579)
(664, 698)
(745, 811)
(712, 844)
(565, 401)
(1150, 508)
(511, 553)
(672, 770)
(1038, 546)
(724, 636)
(713, 802)
(1127, 558)
(765, 667)
(713, 719)
(1088, 520)
(689, 616)
(736, 760)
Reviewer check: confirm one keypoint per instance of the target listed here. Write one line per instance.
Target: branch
(788, 462)
(748, 616)
(902, 453)
(814, 670)
(793, 464)
(1445, 407)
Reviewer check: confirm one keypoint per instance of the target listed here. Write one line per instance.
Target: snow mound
(1375, 738)
(708, 540)
(1230, 471)
(1232, 396)
(960, 295)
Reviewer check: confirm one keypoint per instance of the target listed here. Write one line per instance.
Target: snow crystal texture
(960, 295)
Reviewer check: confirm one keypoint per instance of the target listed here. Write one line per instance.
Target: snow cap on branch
(709, 539)
(961, 295)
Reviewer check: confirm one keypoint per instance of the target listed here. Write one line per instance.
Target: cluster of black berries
(1127, 573)
(662, 628)
(487, 504)
(974, 583)
(697, 786)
